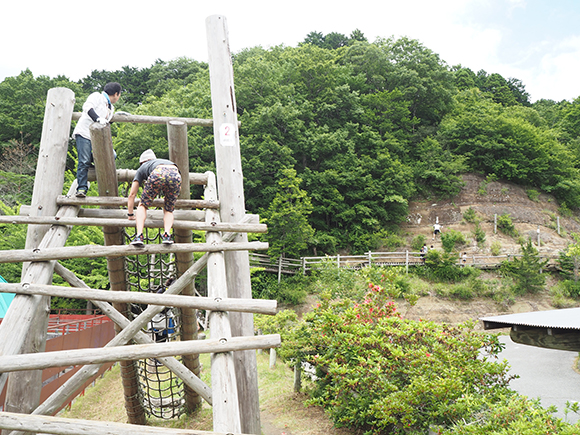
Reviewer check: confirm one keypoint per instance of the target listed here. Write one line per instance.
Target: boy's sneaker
(81, 193)
(166, 239)
(138, 240)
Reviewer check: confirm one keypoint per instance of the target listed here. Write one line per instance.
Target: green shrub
(571, 288)
(495, 248)
(396, 283)
(526, 271)
(444, 267)
(482, 190)
(470, 215)
(457, 291)
(506, 226)
(514, 415)
(418, 242)
(563, 210)
(479, 235)
(340, 281)
(466, 290)
(282, 323)
(290, 290)
(392, 241)
(378, 373)
(264, 284)
(452, 239)
(566, 265)
(533, 195)
(561, 294)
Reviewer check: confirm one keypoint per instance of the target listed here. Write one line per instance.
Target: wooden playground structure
(220, 214)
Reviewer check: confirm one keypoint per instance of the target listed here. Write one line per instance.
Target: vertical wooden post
(558, 223)
(279, 269)
(107, 185)
(49, 178)
(230, 183)
(179, 154)
(24, 327)
(260, 351)
(407, 261)
(226, 411)
(272, 357)
(298, 376)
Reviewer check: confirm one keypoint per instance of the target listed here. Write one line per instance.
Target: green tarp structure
(5, 300)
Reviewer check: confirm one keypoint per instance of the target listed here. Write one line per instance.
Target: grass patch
(282, 410)
(104, 401)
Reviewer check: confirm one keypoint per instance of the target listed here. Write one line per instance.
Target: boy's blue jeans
(85, 155)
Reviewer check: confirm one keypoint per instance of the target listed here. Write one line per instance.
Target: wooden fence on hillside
(291, 266)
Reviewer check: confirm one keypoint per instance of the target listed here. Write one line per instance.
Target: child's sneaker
(138, 240)
(166, 239)
(81, 193)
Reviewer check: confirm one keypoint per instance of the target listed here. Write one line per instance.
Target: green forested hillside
(339, 131)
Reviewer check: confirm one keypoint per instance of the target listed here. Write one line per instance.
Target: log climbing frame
(234, 391)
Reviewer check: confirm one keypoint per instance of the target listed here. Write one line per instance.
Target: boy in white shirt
(98, 108)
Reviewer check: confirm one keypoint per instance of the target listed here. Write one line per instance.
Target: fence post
(558, 223)
(338, 260)
(407, 261)
(304, 266)
(297, 376)
(495, 223)
(279, 269)
(370, 258)
(272, 358)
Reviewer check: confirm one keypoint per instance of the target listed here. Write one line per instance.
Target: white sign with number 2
(227, 135)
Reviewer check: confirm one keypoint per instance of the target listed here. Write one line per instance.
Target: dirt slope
(500, 198)
(488, 199)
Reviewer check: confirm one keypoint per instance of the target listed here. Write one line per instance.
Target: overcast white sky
(536, 41)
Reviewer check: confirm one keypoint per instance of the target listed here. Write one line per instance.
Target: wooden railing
(405, 259)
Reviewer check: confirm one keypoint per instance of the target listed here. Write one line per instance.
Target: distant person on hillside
(98, 108)
(156, 176)
(436, 230)
(424, 251)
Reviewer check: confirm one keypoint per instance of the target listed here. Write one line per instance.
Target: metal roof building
(553, 329)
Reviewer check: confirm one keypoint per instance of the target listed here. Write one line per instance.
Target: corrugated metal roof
(567, 318)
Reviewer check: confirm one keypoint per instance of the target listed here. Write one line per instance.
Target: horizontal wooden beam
(69, 426)
(127, 175)
(119, 201)
(149, 223)
(110, 213)
(260, 306)
(182, 372)
(94, 251)
(147, 119)
(65, 358)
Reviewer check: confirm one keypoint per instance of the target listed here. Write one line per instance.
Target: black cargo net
(161, 391)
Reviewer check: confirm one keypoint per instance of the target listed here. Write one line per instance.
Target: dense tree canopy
(365, 126)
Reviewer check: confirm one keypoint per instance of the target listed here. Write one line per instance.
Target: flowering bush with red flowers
(381, 374)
